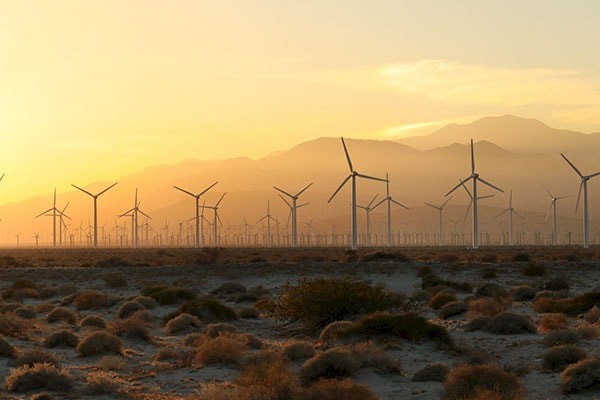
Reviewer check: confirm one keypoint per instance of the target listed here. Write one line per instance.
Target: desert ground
(420, 323)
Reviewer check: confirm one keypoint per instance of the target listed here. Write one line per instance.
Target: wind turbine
(511, 211)
(583, 184)
(474, 177)
(95, 197)
(352, 176)
(440, 209)
(268, 217)
(552, 208)
(133, 213)
(197, 197)
(293, 210)
(389, 200)
(216, 219)
(55, 213)
(368, 209)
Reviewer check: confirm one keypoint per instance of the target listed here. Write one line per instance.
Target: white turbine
(353, 174)
(474, 177)
(95, 197)
(293, 210)
(55, 213)
(389, 200)
(197, 208)
(440, 209)
(216, 219)
(268, 217)
(368, 209)
(133, 213)
(583, 184)
(511, 211)
(552, 208)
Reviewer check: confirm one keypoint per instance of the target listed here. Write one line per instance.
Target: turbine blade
(593, 175)
(547, 191)
(466, 189)
(379, 203)
(460, 183)
(472, 158)
(572, 165)
(490, 185)
(339, 188)
(468, 209)
(219, 220)
(446, 202)
(184, 191)
(302, 191)
(48, 210)
(261, 219)
(286, 202)
(77, 187)
(399, 204)
(578, 195)
(302, 205)
(105, 190)
(66, 205)
(2, 177)
(282, 191)
(369, 205)
(518, 215)
(502, 213)
(219, 202)
(208, 188)
(144, 214)
(487, 196)
(347, 156)
(431, 205)
(370, 177)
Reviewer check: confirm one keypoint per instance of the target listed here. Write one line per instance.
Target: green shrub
(435, 372)
(319, 301)
(332, 363)
(470, 381)
(560, 357)
(580, 376)
(39, 376)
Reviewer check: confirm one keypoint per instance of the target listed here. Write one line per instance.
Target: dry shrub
(114, 280)
(112, 363)
(489, 273)
(223, 349)
(9, 307)
(167, 295)
(6, 349)
(330, 331)
(332, 363)
(587, 332)
(593, 315)
(248, 312)
(267, 375)
(128, 308)
(39, 376)
(319, 301)
(25, 312)
(523, 293)
(20, 294)
(560, 337)
(62, 314)
(431, 281)
(132, 328)
(251, 341)
(491, 290)
(557, 284)
(435, 372)
(424, 270)
(477, 324)
(421, 296)
(14, 326)
(452, 309)
(208, 309)
(93, 321)
(440, 299)
(148, 302)
(229, 288)
(42, 396)
(44, 308)
(333, 389)
(295, 350)
(370, 355)
(100, 342)
(100, 383)
(182, 323)
(572, 306)
(469, 381)
(580, 376)
(223, 391)
(507, 323)
(142, 315)
(62, 338)
(486, 306)
(92, 300)
(166, 353)
(553, 322)
(35, 356)
(193, 339)
(214, 330)
(559, 357)
(534, 270)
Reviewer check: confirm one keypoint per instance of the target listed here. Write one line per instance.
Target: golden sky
(93, 90)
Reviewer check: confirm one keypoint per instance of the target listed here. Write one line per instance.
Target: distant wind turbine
(440, 209)
(133, 213)
(293, 210)
(352, 176)
(511, 211)
(583, 184)
(389, 200)
(368, 209)
(269, 218)
(95, 197)
(552, 208)
(197, 197)
(55, 213)
(474, 177)
(216, 219)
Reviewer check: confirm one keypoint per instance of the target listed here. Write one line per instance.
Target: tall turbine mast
(511, 211)
(293, 210)
(95, 197)
(368, 209)
(352, 176)
(440, 209)
(197, 197)
(552, 208)
(269, 218)
(216, 219)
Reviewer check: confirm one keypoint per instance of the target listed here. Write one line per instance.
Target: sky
(93, 90)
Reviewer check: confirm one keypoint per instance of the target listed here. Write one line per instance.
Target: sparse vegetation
(508, 323)
(298, 350)
(334, 389)
(440, 299)
(93, 321)
(560, 357)
(62, 314)
(580, 376)
(207, 309)
(63, 337)
(560, 337)
(453, 308)
(166, 295)
(38, 376)
(182, 323)
(223, 349)
(470, 381)
(435, 372)
(332, 363)
(100, 342)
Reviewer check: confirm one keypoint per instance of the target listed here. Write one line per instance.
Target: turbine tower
(353, 174)
(55, 212)
(552, 208)
(440, 209)
(474, 177)
(583, 184)
(197, 197)
(95, 197)
(216, 219)
(511, 211)
(268, 217)
(293, 210)
(389, 200)
(133, 213)
(368, 209)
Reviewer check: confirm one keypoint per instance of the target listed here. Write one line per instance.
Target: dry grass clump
(319, 301)
(560, 357)
(35, 356)
(489, 273)
(63, 337)
(251, 341)
(128, 308)
(267, 375)
(369, 355)
(20, 293)
(330, 331)
(493, 290)
(580, 376)
(92, 300)
(100, 342)
(6, 349)
(440, 299)
(587, 332)
(9, 307)
(592, 316)
(166, 295)
(508, 323)
(557, 284)
(477, 324)
(100, 383)
(409, 326)
(42, 396)
(296, 350)
(112, 363)
(229, 288)
(25, 312)
(132, 328)
(38, 376)
(332, 363)
(181, 324)
(193, 339)
(207, 309)
(486, 306)
(114, 280)
(435, 372)
(223, 349)
(43, 308)
(214, 330)
(552, 322)
(148, 302)
(432, 281)
(523, 293)
(534, 270)
(572, 306)
(248, 312)
(560, 337)
(13, 325)
(62, 314)
(93, 321)
(333, 389)
(471, 381)
(453, 308)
